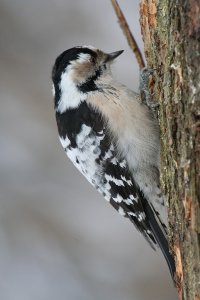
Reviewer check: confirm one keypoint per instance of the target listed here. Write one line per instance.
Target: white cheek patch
(71, 97)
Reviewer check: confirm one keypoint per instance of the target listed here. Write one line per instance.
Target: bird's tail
(161, 239)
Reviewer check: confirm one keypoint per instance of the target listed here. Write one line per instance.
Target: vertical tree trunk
(171, 34)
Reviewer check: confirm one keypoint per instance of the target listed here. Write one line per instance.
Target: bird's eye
(93, 59)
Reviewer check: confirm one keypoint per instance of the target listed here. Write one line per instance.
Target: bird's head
(76, 72)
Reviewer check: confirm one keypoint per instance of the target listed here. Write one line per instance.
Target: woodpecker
(112, 137)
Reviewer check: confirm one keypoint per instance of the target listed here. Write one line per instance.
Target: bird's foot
(146, 95)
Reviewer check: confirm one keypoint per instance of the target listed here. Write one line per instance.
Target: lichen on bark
(171, 34)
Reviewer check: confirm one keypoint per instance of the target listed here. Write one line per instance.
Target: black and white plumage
(112, 138)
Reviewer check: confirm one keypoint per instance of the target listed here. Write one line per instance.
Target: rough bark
(171, 34)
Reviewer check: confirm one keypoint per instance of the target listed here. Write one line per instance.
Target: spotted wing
(125, 196)
(120, 189)
(88, 144)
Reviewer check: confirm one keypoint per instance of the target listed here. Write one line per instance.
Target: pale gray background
(59, 239)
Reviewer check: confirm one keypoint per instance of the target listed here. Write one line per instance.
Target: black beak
(113, 55)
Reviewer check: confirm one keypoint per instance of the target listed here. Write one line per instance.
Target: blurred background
(59, 239)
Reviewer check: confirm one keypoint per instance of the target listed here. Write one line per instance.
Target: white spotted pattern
(115, 180)
(128, 201)
(85, 154)
(121, 211)
(64, 142)
(128, 181)
(118, 199)
(123, 164)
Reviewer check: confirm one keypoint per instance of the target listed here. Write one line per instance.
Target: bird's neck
(70, 94)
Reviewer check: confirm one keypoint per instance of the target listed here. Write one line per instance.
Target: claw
(145, 73)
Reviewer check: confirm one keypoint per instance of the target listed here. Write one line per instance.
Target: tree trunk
(171, 34)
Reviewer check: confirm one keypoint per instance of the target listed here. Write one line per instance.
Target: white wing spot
(128, 201)
(141, 216)
(134, 199)
(64, 142)
(114, 161)
(128, 181)
(118, 182)
(118, 199)
(121, 211)
(80, 139)
(130, 213)
(108, 154)
(123, 164)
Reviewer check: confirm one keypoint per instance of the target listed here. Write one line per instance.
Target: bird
(112, 137)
